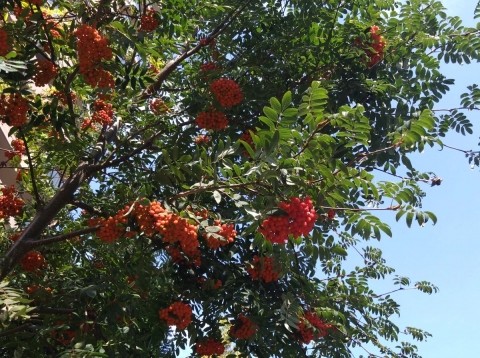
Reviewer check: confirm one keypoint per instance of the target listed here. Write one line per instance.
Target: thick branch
(44, 217)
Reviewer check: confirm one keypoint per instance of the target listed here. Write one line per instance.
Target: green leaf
(275, 105)
(271, 114)
(286, 101)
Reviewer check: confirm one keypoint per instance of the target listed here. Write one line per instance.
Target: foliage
(213, 166)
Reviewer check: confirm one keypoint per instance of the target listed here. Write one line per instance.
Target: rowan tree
(201, 172)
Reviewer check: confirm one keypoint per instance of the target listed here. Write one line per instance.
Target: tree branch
(173, 64)
(32, 171)
(44, 216)
(63, 237)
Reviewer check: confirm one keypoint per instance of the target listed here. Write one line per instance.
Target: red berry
(214, 120)
(227, 92)
(32, 261)
(149, 22)
(209, 347)
(243, 328)
(299, 219)
(46, 71)
(178, 314)
(4, 45)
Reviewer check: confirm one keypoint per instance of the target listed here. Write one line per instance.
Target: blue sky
(446, 254)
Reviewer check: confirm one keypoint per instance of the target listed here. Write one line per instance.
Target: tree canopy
(202, 174)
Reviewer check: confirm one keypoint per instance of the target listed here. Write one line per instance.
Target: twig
(319, 127)
(63, 237)
(32, 171)
(173, 64)
(16, 329)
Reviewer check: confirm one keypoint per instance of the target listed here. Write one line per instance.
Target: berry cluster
(13, 109)
(4, 46)
(19, 149)
(301, 215)
(299, 219)
(14, 237)
(98, 77)
(312, 327)
(103, 113)
(375, 53)
(46, 71)
(227, 92)
(63, 337)
(158, 106)
(10, 203)
(177, 232)
(243, 328)
(212, 119)
(112, 228)
(208, 66)
(224, 236)
(62, 97)
(209, 347)
(149, 22)
(32, 261)
(53, 26)
(92, 50)
(275, 228)
(178, 314)
(263, 268)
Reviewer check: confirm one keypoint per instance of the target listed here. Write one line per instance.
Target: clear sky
(447, 254)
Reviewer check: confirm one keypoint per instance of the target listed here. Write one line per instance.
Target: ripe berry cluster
(208, 66)
(103, 113)
(4, 46)
(243, 328)
(53, 26)
(375, 53)
(92, 50)
(263, 268)
(149, 22)
(227, 92)
(14, 237)
(111, 228)
(13, 109)
(312, 327)
(18, 146)
(46, 71)
(158, 106)
(177, 232)
(224, 236)
(10, 203)
(62, 97)
(212, 119)
(63, 336)
(178, 314)
(209, 347)
(32, 261)
(299, 219)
